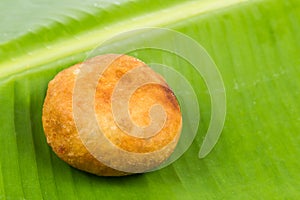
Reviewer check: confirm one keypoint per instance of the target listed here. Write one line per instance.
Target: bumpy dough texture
(61, 132)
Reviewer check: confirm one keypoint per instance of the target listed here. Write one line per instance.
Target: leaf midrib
(92, 38)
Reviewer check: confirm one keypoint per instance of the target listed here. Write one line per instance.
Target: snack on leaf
(62, 130)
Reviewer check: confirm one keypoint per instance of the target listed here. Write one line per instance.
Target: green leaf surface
(256, 46)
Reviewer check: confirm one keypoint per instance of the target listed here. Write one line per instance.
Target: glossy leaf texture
(256, 46)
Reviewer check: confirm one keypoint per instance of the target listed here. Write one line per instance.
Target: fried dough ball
(62, 132)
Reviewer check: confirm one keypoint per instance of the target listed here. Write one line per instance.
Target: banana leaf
(254, 44)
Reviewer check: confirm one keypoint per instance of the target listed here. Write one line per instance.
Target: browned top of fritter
(140, 103)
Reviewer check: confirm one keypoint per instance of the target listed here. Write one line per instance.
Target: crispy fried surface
(61, 132)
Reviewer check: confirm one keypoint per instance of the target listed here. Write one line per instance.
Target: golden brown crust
(61, 132)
